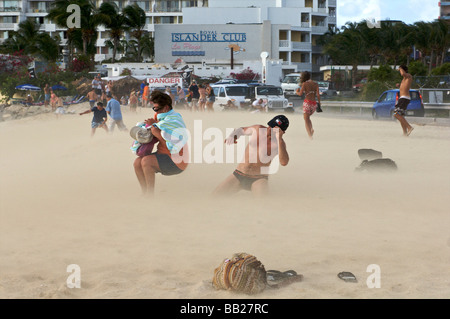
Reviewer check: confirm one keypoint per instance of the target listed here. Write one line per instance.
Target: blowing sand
(67, 198)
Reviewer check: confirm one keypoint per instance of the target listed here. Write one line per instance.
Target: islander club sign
(189, 43)
(209, 36)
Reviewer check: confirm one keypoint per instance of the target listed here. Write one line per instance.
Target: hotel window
(169, 6)
(9, 19)
(9, 5)
(167, 20)
(188, 4)
(144, 5)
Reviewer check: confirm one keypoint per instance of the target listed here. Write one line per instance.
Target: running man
(403, 101)
(265, 143)
(99, 119)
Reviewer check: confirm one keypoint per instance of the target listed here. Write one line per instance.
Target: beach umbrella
(59, 87)
(28, 87)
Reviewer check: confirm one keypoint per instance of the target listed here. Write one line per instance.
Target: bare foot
(409, 131)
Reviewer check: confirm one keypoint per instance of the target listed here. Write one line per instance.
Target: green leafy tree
(135, 20)
(116, 26)
(31, 41)
(90, 16)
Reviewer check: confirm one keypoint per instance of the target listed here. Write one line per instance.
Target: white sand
(67, 198)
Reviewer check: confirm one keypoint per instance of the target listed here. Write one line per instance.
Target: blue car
(385, 105)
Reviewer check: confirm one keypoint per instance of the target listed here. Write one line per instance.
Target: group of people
(51, 99)
(172, 154)
(312, 100)
(252, 174)
(102, 111)
(200, 97)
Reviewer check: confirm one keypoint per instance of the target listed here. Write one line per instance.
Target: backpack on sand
(244, 273)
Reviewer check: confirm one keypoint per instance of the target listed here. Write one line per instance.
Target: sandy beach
(67, 198)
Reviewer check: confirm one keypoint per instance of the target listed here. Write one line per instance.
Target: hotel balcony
(10, 9)
(286, 45)
(9, 26)
(319, 29)
(299, 65)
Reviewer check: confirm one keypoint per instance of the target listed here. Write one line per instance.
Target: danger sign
(165, 81)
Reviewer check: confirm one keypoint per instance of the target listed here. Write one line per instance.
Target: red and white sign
(155, 82)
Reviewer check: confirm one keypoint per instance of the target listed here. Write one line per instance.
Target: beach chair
(79, 100)
(70, 100)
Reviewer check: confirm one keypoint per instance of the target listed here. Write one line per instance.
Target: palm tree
(422, 39)
(355, 48)
(135, 20)
(439, 41)
(32, 42)
(117, 25)
(90, 20)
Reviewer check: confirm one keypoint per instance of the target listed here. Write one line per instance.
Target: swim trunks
(166, 165)
(248, 180)
(401, 106)
(96, 124)
(309, 107)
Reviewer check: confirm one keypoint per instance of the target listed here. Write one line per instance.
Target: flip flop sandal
(277, 279)
(347, 276)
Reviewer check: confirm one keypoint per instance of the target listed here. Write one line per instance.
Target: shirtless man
(92, 98)
(403, 101)
(264, 144)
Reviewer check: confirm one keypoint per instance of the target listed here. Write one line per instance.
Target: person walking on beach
(171, 154)
(92, 98)
(403, 101)
(265, 143)
(181, 97)
(53, 100)
(210, 98)
(46, 95)
(99, 119)
(114, 111)
(145, 95)
(133, 101)
(202, 98)
(311, 91)
(195, 95)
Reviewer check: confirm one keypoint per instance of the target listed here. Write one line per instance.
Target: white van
(236, 93)
(290, 84)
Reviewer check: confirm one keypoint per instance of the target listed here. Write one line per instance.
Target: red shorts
(309, 107)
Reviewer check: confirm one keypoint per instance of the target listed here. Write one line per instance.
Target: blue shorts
(95, 124)
(47, 97)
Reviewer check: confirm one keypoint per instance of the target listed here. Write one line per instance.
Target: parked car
(359, 86)
(384, 106)
(326, 88)
(273, 95)
(290, 84)
(236, 93)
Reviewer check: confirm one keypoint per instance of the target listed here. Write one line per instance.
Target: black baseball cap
(281, 121)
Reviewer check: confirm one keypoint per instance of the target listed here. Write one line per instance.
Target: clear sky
(408, 11)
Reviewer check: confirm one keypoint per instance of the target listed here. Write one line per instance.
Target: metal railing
(341, 106)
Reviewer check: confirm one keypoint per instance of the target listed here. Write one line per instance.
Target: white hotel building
(289, 29)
